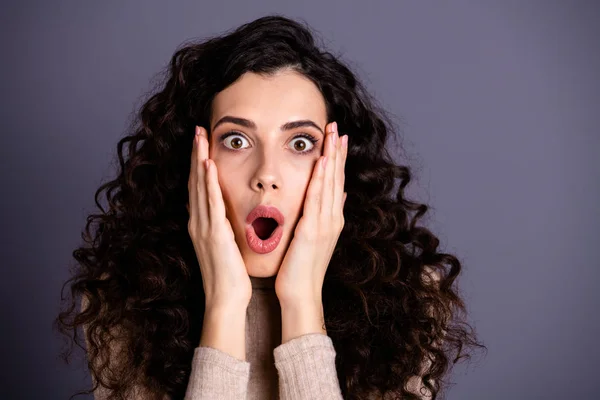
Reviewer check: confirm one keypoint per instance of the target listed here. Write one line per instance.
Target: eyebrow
(251, 125)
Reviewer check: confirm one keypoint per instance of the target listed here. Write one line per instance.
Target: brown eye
(300, 141)
(236, 141)
(299, 145)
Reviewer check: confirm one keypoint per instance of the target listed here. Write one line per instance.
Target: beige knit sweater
(302, 368)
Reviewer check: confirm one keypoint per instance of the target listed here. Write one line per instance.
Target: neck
(267, 283)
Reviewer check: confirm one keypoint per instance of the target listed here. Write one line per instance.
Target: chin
(262, 272)
(264, 265)
(260, 266)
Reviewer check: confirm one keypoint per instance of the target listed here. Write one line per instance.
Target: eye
(236, 142)
(299, 146)
(302, 148)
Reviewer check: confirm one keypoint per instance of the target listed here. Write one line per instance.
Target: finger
(312, 202)
(216, 206)
(201, 156)
(338, 196)
(328, 184)
(192, 205)
(343, 205)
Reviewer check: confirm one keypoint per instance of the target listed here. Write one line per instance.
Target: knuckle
(191, 228)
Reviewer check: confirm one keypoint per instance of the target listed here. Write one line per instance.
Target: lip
(264, 211)
(254, 242)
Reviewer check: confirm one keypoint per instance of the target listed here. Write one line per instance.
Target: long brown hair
(392, 307)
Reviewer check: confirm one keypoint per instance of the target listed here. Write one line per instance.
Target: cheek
(228, 188)
(300, 183)
(306, 177)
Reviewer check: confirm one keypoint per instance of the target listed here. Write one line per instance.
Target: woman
(229, 263)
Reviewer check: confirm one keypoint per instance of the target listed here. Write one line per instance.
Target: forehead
(285, 96)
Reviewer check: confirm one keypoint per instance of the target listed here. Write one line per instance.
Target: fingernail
(197, 130)
(335, 127)
(345, 141)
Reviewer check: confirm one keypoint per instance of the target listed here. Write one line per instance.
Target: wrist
(301, 318)
(226, 303)
(224, 329)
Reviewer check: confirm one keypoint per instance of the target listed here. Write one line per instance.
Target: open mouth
(264, 227)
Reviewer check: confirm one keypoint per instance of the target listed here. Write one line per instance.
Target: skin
(267, 165)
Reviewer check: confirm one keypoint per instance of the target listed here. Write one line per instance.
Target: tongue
(264, 227)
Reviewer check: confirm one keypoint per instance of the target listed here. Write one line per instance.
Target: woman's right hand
(224, 276)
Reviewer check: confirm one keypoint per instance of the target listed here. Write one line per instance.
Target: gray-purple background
(501, 103)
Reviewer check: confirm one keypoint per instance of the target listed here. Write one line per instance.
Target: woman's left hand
(302, 272)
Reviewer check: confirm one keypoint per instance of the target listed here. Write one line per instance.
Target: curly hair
(390, 300)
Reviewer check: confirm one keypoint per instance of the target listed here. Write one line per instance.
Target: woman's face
(263, 162)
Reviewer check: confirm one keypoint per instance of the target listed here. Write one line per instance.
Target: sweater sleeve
(217, 375)
(306, 368)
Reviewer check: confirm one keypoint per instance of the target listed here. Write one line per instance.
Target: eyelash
(310, 138)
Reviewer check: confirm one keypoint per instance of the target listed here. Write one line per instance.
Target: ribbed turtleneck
(263, 334)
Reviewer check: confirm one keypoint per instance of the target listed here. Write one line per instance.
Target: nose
(266, 177)
(265, 182)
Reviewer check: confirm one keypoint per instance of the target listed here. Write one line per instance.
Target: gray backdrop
(501, 103)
